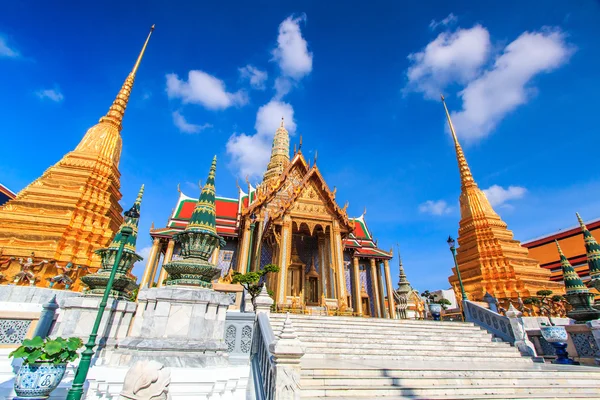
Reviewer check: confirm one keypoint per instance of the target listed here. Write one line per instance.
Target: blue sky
(358, 80)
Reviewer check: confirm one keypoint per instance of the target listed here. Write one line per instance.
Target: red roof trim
(561, 235)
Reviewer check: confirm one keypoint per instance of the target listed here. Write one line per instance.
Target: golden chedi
(489, 258)
(72, 209)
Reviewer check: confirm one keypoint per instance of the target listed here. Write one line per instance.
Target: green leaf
(53, 347)
(20, 352)
(34, 356)
(36, 343)
(74, 343)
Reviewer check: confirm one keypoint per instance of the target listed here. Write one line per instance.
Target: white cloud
(250, 153)
(145, 253)
(449, 20)
(450, 57)
(439, 207)
(500, 90)
(207, 90)
(185, 127)
(6, 50)
(498, 196)
(51, 94)
(255, 76)
(291, 52)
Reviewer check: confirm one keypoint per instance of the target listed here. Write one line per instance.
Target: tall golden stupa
(72, 209)
(489, 258)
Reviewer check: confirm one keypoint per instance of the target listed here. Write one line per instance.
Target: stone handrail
(263, 366)
(496, 324)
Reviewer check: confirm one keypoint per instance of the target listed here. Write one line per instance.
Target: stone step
(407, 346)
(400, 342)
(429, 392)
(375, 327)
(451, 396)
(413, 357)
(392, 333)
(460, 371)
(502, 352)
(372, 321)
(384, 382)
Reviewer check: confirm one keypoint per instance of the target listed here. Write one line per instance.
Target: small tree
(253, 281)
(543, 301)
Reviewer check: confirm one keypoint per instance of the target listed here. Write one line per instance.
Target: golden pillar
(151, 263)
(390, 289)
(356, 293)
(257, 245)
(168, 258)
(333, 291)
(244, 248)
(215, 255)
(374, 278)
(284, 257)
(380, 290)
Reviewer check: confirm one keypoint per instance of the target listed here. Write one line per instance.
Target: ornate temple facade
(55, 224)
(489, 258)
(292, 219)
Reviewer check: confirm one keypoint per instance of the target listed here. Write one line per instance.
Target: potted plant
(435, 306)
(44, 364)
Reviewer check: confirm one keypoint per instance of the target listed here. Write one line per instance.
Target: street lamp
(76, 391)
(252, 226)
(452, 245)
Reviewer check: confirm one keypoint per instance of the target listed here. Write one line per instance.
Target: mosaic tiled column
(356, 292)
(168, 257)
(339, 261)
(244, 249)
(284, 257)
(374, 279)
(150, 264)
(322, 246)
(389, 288)
(380, 290)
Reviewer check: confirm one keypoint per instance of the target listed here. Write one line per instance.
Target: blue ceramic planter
(435, 310)
(38, 380)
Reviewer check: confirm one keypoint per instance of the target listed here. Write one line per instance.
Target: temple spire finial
(280, 154)
(117, 109)
(592, 250)
(282, 122)
(466, 177)
(580, 220)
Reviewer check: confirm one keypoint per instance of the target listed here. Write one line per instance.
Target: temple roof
(228, 216)
(5, 194)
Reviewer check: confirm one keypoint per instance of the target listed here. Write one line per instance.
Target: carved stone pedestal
(78, 314)
(177, 326)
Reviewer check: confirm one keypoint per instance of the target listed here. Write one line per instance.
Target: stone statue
(26, 273)
(147, 380)
(64, 275)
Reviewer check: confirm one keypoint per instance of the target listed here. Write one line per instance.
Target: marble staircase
(360, 358)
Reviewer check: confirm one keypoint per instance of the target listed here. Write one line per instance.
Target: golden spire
(466, 178)
(117, 109)
(280, 153)
(580, 220)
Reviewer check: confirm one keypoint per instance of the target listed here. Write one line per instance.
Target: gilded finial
(580, 220)
(466, 177)
(140, 195)
(179, 188)
(282, 122)
(117, 109)
(152, 226)
(295, 150)
(334, 191)
(399, 257)
(558, 247)
(316, 156)
(300, 145)
(364, 211)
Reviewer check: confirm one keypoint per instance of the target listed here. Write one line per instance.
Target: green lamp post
(452, 245)
(252, 226)
(76, 391)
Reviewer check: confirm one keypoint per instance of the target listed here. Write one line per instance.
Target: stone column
(244, 248)
(522, 342)
(356, 293)
(215, 255)
(287, 352)
(150, 264)
(380, 290)
(44, 324)
(389, 287)
(595, 327)
(375, 287)
(168, 258)
(284, 257)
